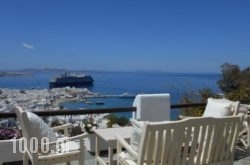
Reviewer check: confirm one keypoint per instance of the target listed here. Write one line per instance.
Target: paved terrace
(241, 158)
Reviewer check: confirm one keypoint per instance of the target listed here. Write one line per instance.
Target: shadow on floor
(240, 153)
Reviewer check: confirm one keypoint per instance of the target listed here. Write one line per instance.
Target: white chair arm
(63, 127)
(77, 137)
(55, 155)
(60, 127)
(121, 141)
(64, 140)
(182, 117)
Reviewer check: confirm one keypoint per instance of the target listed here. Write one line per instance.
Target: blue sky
(115, 35)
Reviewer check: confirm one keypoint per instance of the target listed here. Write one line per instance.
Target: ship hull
(70, 84)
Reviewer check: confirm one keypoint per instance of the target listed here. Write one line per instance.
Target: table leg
(248, 138)
(110, 155)
(97, 149)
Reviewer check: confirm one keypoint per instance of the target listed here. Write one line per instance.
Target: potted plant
(8, 133)
(89, 125)
(8, 138)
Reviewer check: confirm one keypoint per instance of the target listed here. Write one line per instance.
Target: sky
(125, 35)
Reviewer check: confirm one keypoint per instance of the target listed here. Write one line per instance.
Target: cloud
(28, 46)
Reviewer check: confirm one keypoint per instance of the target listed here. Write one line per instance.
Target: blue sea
(117, 83)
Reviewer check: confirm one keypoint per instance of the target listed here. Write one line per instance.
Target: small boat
(127, 95)
(99, 103)
(88, 102)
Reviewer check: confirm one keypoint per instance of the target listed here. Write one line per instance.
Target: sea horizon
(93, 70)
(118, 83)
(138, 81)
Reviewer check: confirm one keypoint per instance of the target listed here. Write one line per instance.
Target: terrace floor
(241, 158)
(241, 155)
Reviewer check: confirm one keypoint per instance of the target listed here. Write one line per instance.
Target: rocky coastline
(14, 74)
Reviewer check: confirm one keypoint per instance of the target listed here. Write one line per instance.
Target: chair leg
(248, 139)
(25, 159)
(81, 161)
(82, 155)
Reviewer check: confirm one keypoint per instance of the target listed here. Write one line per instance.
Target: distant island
(14, 74)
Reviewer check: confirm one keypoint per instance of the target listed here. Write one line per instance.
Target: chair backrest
(19, 111)
(20, 117)
(236, 106)
(190, 141)
(33, 127)
(152, 107)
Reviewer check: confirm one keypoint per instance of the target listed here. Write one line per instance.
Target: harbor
(48, 99)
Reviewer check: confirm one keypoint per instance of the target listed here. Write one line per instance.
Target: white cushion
(234, 105)
(136, 134)
(39, 128)
(218, 108)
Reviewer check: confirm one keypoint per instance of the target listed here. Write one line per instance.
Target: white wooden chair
(244, 135)
(194, 141)
(224, 107)
(247, 136)
(49, 152)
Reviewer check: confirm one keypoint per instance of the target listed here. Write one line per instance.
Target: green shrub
(196, 97)
(114, 119)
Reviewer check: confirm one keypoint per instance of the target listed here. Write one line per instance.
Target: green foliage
(75, 130)
(89, 125)
(230, 79)
(196, 97)
(113, 119)
(55, 122)
(234, 82)
(122, 121)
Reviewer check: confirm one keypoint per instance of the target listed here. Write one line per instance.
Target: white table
(108, 135)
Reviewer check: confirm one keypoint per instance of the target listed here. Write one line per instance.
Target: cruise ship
(72, 80)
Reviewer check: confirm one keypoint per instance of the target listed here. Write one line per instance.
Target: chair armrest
(122, 142)
(58, 150)
(77, 137)
(63, 127)
(63, 140)
(248, 132)
(181, 117)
